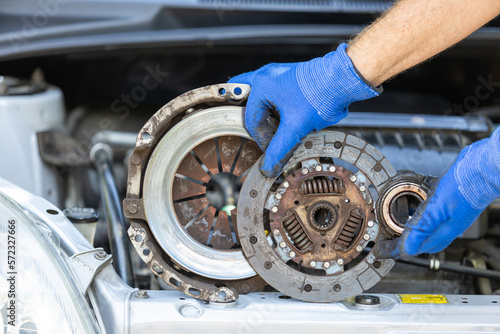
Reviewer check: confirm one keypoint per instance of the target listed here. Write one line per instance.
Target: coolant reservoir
(27, 107)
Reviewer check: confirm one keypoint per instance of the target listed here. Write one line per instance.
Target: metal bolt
(337, 288)
(286, 184)
(276, 232)
(308, 288)
(100, 255)
(135, 160)
(274, 209)
(347, 200)
(292, 254)
(245, 288)
(337, 144)
(366, 237)
(340, 262)
(369, 200)
(305, 171)
(313, 263)
(377, 168)
(318, 168)
(359, 248)
(142, 294)
(377, 264)
(268, 265)
(332, 169)
(132, 208)
(308, 144)
(253, 239)
(282, 244)
(353, 178)
(326, 265)
(371, 223)
(253, 193)
(362, 188)
(278, 196)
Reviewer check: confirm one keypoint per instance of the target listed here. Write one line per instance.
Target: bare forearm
(415, 30)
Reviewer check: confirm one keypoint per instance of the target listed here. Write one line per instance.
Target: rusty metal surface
(192, 285)
(152, 132)
(222, 191)
(134, 208)
(323, 214)
(231, 155)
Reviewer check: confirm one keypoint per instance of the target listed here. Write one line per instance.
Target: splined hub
(321, 216)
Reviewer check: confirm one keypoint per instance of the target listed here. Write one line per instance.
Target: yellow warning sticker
(423, 299)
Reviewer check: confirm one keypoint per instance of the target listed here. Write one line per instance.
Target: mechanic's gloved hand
(308, 96)
(469, 186)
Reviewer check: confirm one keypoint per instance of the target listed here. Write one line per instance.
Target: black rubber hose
(117, 232)
(457, 268)
(442, 265)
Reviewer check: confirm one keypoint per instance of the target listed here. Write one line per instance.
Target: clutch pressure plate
(185, 175)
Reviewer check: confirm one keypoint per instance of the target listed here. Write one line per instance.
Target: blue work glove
(467, 188)
(309, 96)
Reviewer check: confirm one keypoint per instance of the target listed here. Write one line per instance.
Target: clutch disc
(305, 232)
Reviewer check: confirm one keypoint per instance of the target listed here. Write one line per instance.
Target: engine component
(27, 107)
(400, 198)
(321, 215)
(185, 174)
(191, 188)
(207, 182)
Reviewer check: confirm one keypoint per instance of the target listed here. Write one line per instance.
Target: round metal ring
(158, 199)
(406, 184)
(392, 196)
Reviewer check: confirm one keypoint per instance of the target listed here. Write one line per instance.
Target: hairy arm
(315, 94)
(413, 31)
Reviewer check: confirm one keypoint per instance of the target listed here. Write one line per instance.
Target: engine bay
(147, 154)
